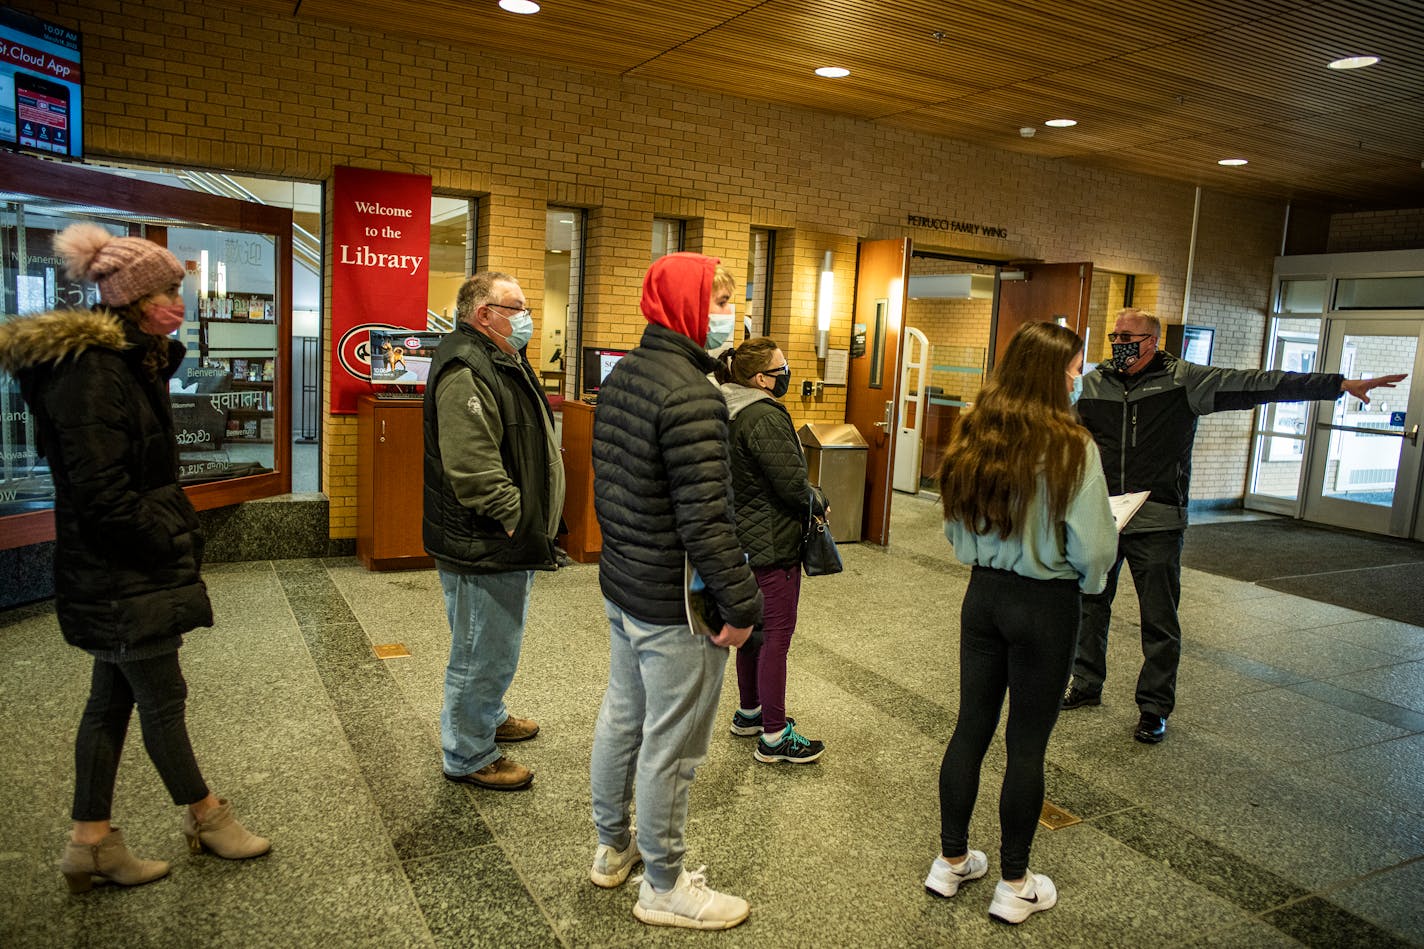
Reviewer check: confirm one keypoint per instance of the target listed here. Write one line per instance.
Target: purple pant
(761, 670)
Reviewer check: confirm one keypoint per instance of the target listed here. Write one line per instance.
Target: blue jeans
(486, 613)
(653, 728)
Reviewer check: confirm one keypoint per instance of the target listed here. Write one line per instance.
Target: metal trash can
(835, 462)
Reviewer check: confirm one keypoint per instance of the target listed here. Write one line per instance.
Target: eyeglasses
(518, 310)
(1127, 337)
(782, 370)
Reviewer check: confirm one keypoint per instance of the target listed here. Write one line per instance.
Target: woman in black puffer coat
(127, 544)
(771, 500)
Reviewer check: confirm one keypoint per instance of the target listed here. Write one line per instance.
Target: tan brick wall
(219, 88)
(1376, 230)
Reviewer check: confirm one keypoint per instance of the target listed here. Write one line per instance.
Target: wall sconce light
(825, 300)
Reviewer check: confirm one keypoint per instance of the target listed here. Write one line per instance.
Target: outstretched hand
(1359, 387)
(732, 635)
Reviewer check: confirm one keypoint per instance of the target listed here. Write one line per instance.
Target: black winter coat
(771, 495)
(661, 485)
(127, 543)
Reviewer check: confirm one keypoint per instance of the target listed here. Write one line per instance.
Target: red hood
(677, 294)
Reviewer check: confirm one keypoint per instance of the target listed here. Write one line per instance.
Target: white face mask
(720, 327)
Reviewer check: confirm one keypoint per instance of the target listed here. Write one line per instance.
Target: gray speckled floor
(1285, 808)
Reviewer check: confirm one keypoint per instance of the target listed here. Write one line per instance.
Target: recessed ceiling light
(1353, 62)
(833, 72)
(1061, 123)
(1232, 162)
(519, 6)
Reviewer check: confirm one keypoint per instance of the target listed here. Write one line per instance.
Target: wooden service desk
(390, 482)
(584, 541)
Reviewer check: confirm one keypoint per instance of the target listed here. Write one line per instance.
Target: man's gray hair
(476, 291)
(1135, 313)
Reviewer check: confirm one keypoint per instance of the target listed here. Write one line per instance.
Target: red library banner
(380, 276)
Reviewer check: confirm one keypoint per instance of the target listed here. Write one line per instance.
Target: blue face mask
(521, 328)
(1077, 391)
(719, 329)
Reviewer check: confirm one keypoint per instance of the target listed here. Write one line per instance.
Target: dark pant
(1015, 634)
(156, 685)
(1155, 559)
(761, 669)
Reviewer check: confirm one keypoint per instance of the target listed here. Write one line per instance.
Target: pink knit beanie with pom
(125, 268)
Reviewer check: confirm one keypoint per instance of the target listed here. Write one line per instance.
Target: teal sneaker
(792, 746)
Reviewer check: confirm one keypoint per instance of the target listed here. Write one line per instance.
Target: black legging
(156, 685)
(1018, 634)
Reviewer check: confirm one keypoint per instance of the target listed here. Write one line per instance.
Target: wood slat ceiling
(1162, 87)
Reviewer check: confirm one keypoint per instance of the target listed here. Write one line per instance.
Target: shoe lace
(795, 737)
(697, 879)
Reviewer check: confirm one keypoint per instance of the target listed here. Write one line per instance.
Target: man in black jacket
(1142, 407)
(661, 485)
(494, 491)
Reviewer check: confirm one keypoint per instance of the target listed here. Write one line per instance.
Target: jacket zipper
(1122, 441)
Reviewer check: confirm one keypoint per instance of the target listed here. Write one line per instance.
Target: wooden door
(1046, 293)
(873, 390)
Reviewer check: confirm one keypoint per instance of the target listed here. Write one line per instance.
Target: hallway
(1285, 807)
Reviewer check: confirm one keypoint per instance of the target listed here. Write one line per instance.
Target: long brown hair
(1021, 429)
(740, 365)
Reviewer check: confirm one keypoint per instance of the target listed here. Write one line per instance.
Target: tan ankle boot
(110, 860)
(221, 834)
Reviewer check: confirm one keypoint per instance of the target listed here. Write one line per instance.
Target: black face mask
(781, 384)
(1125, 354)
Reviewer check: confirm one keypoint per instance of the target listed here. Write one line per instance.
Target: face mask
(719, 329)
(162, 320)
(1077, 391)
(521, 328)
(782, 384)
(1125, 354)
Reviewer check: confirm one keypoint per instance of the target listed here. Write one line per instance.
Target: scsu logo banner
(381, 267)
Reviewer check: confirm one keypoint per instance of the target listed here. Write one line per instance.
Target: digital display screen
(402, 357)
(40, 86)
(597, 364)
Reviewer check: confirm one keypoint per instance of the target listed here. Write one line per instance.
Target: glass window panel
(1379, 293)
(1302, 296)
(558, 326)
(760, 257)
(451, 254)
(668, 234)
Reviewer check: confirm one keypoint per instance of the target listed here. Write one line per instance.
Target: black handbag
(819, 556)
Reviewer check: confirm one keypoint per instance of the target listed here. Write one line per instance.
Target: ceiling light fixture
(1353, 62)
(523, 7)
(1061, 123)
(1232, 162)
(833, 72)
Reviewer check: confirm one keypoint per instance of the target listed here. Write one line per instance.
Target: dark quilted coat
(770, 494)
(661, 484)
(127, 544)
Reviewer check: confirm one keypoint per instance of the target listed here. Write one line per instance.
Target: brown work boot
(499, 775)
(516, 729)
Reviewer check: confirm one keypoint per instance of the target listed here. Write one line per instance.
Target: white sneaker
(691, 904)
(944, 880)
(1010, 906)
(611, 867)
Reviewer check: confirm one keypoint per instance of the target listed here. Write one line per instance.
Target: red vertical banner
(380, 269)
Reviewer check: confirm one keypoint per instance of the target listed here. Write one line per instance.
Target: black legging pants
(1015, 634)
(156, 686)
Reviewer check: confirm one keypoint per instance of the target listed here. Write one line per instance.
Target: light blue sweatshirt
(1083, 547)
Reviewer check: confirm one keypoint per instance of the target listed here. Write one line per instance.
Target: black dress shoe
(1151, 728)
(1077, 698)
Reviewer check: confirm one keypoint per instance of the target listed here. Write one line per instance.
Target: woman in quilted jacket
(127, 543)
(771, 499)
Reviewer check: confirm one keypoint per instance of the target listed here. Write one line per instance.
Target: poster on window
(380, 273)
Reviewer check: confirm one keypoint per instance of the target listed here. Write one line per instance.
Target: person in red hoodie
(661, 487)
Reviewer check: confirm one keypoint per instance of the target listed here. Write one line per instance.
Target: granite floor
(1286, 806)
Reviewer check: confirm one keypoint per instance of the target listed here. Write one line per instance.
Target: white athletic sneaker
(1011, 907)
(944, 881)
(611, 867)
(691, 904)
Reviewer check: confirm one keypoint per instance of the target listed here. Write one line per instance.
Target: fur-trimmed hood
(30, 341)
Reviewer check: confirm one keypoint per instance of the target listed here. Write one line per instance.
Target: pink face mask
(162, 320)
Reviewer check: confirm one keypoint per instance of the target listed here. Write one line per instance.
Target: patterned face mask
(1125, 354)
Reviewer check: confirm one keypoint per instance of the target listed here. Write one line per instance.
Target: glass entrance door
(1365, 460)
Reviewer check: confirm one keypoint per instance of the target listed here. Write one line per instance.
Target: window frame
(25, 175)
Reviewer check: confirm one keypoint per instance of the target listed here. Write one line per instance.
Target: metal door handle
(1413, 434)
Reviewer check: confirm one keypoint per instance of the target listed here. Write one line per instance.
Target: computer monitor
(401, 357)
(597, 363)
